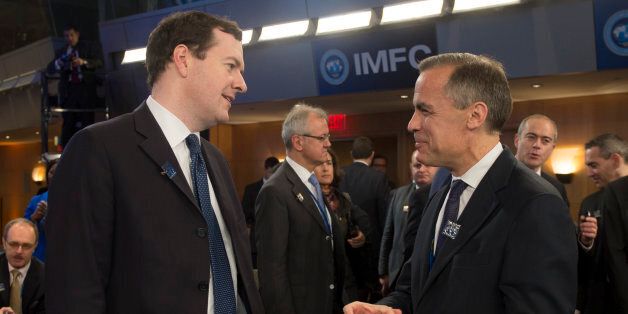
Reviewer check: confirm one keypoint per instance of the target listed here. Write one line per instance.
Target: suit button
(201, 232)
(331, 287)
(203, 286)
(327, 238)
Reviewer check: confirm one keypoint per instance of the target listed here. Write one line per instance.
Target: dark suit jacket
(392, 246)
(32, 288)
(248, 205)
(368, 189)
(615, 208)
(515, 251)
(417, 206)
(559, 186)
(299, 272)
(123, 237)
(593, 288)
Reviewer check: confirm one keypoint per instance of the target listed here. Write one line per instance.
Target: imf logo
(334, 67)
(616, 33)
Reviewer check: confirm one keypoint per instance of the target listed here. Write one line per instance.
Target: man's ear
(478, 112)
(297, 142)
(181, 59)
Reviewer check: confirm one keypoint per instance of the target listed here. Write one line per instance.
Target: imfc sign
(373, 60)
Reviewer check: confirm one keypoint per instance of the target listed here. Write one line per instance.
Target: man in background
(248, 202)
(369, 190)
(606, 159)
(301, 252)
(392, 252)
(21, 275)
(77, 63)
(535, 141)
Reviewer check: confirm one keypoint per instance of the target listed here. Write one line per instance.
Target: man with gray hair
(535, 141)
(603, 261)
(300, 256)
(21, 275)
(497, 238)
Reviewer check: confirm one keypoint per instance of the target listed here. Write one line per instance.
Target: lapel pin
(451, 229)
(405, 208)
(168, 169)
(300, 197)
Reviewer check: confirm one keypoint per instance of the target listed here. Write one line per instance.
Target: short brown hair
(476, 78)
(193, 29)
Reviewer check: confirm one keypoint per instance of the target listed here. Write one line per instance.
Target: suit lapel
(303, 195)
(156, 147)
(479, 208)
(424, 241)
(29, 289)
(4, 279)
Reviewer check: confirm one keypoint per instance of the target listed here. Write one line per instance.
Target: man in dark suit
(615, 207)
(21, 275)
(77, 63)
(404, 202)
(606, 158)
(535, 141)
(142, 217)
(369, 190)
(497, 240)
(300, 253)
(248, 202)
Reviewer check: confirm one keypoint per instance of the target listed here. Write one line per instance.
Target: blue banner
(372, 60)
(611, 33)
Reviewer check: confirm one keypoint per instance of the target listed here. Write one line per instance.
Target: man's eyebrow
(422, 105)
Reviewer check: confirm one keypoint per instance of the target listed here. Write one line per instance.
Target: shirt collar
(23, 270)
(303, 173)
(172, 127)
(475, 174)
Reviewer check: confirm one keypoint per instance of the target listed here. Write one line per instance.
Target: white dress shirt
(23, 271)
(175, 132)
(472, 178)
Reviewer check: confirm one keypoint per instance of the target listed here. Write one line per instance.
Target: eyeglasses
(322, 138)
(16, 245)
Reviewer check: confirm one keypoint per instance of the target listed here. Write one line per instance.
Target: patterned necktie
(320, 202)
(451, 210)
(224, 293)
(15, 298)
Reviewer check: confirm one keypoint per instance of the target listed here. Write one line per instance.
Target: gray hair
(476, 78)
(609, 144)
(537, 116)
(296, 121)
(22, 221)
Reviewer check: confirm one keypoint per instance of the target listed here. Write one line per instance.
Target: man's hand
(39, 213)
(588, 230)
(76, 62)
(357, 241)
(365, 308)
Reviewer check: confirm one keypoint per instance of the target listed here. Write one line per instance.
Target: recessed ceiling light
(7, 137)
(247, 35)
(536, 85)
(468, 5)
(411, 11)
(343, 22)
(37, 132)
(403, 96)
(285, 30)
(134, 55)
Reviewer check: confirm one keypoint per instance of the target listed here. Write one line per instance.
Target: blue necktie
(224, 294)
(451, 210)
(320, 202)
